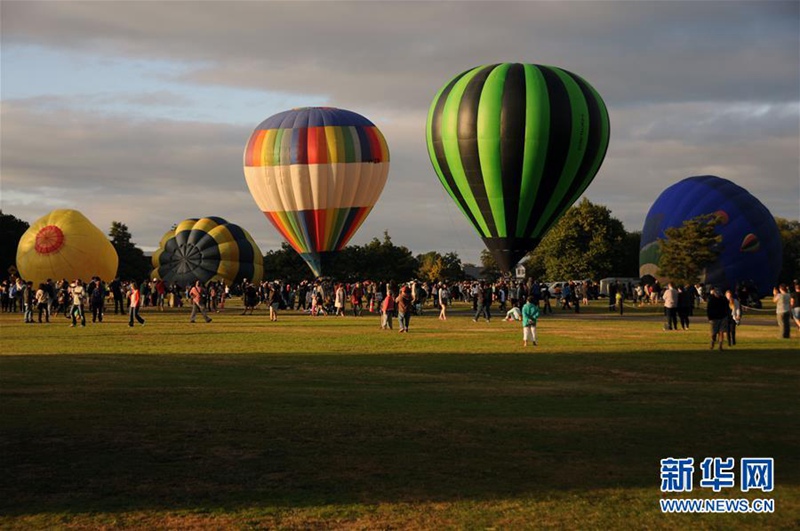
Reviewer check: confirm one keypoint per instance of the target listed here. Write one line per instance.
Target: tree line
(586, 243)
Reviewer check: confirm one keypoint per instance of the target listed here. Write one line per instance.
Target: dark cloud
(398, 53)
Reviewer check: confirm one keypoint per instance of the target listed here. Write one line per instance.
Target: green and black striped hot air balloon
(515, 145)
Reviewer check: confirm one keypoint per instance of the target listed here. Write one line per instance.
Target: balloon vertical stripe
(513, 113)
(349, 148)
(299, 147)
(597, 130)
(338, 217)
(451, 140)
(436, 150)
(558, 145)
(537, 132)
(468, 141)
(488, 147)
(355, 217)
(363, 141)
(317, 149)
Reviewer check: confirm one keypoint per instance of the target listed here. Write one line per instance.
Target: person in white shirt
(670, 297)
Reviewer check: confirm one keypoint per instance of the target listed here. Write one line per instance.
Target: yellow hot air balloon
(65, 244)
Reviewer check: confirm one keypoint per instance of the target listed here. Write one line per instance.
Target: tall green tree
(11, 230)
(628, 256)
(378, 260)
(587, 242)
(790, 238)
(453, 268)
(690, 248)
(489, 268)
(534, 265)
(133, 264)
(436, 267)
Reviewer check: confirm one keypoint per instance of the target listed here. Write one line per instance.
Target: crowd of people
(73, 299)
(514, 300)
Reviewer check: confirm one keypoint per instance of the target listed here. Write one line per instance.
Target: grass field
(332, 423)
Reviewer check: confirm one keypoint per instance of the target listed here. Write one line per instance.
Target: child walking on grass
(530, 314)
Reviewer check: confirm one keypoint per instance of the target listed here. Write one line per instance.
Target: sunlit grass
(595, 329)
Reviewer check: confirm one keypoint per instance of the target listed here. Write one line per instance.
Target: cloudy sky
(140, 111)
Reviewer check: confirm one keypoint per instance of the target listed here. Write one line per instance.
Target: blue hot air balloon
(751, 243)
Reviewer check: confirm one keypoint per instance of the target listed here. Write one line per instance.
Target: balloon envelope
(751, 242)
(65, 244)
(207, 249)
(316, 173)
(515, 145)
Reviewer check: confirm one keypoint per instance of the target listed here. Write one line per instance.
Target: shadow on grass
(124, 433)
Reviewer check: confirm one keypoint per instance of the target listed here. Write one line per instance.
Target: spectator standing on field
(566, 297)
(685, 305)
(530, 315)
(273, 301)
(198, 296)
(161, 291)
(4, 298)
(63, 299)
(250, 298)
(42, 302)
(735, 316)
(671, 307)
(387, 311)
(612, 296)
(78, 293)
(135, 296)
(783, 308)
(338, 299)
(502, 296)
(404, 308)
(444, 301)
(144, 292)
(50, 293)
(546, 296)
(474, 291)
(795, 303)
(97, 300)
(16, 295)
(356, 299)
(116, 291)
(484, 301)
(28, 298)
(717, 312)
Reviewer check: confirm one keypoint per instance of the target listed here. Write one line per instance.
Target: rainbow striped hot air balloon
(207, 249)
(316, 173)
(515, 145)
